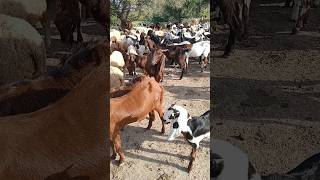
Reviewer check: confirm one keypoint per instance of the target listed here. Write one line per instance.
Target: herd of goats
(150, 48)
(44, 127)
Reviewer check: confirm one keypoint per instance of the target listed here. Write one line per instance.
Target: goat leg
(193, 157)
(117, 144)
(183, 70)
(151, 119)
(230, 44)
(298, 23)
(46, 22)
(160, 111)
(114, 155)
(204, 64)
(79, 34)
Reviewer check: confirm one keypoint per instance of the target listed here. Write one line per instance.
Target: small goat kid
(194, 129)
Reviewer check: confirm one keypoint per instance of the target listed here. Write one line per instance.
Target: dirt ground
(266, 95)
(148, 153)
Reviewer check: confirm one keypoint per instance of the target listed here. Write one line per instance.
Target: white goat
(116, 59)
(229, 162)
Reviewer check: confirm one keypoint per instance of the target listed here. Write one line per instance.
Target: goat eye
(175, 125)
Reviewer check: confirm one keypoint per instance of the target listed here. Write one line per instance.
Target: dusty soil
(148, 154)
(266, 96)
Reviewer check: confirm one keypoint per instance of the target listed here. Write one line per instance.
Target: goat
(200, 50)
(70, 131)
(141, 62)
(118, 92)
(156, 39)
(303, 8)
(15, 98)
(155, 64)
(68, 19)
(229, 162)
(194, 129)
(99, 9)
(145, 97)
(116, 77)
(179, 53)
(116, 59)
(25, 43)
(131, 56)
(308, 169)
(236, 14)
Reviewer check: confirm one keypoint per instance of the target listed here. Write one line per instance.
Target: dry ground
(266, 96)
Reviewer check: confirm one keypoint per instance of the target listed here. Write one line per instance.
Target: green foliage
(155, 11)
(114, 21)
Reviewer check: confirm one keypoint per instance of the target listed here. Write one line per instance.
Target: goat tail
(161, 96)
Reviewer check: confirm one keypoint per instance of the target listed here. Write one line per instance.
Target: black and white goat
(194, 129)
(228, 162)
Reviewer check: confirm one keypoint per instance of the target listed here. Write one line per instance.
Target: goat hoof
(113, 157)
(121, 163)
(189, 169)
(294, 31)
(225, 55)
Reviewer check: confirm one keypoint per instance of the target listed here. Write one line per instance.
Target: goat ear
(149, 86)
(177, 114)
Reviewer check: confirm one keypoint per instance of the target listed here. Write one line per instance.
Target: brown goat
(125, 90)
(99, 9)
(141, 62)
(236, 14)
(72, 131)
(145, 97)
(178, 53)
(155, 64)
(149, 43)
(130, 60)
(303, 16)
(15, 98)
(68, 19)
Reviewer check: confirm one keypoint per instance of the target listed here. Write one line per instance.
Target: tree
(123, 8)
